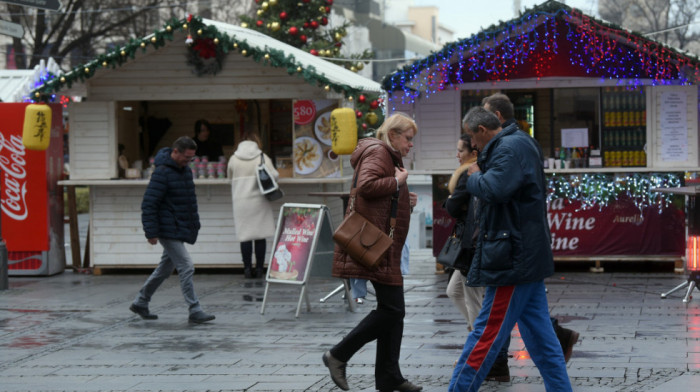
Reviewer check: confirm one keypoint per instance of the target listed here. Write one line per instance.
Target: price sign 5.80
(304, 112)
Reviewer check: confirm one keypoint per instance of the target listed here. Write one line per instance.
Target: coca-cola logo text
(14, 177)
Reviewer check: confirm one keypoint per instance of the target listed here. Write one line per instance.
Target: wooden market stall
(615, 112)
(151, 91)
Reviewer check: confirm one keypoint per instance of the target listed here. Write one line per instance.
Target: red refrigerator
(31, 199)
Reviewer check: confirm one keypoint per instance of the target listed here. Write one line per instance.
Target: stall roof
(549, 40)
(227, 37)
(11, 82)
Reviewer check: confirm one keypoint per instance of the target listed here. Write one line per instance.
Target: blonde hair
(398, 122)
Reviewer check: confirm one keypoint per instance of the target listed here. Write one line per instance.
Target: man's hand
(153, 241)
(401, 175)
(473, 169)
(412, 199)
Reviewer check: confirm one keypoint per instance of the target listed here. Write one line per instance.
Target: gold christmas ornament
(273, 3)
(199, 32)
(327, 88)
(322, 9)
(265, 5)
(244, 52)
(87, 70)
(360, 66)
(299, 69)
(154, 39)
(260, 12)
(63, 79)
(372, 118)
(216, 41)
(104, 64)
(353, 69)
(184, 25)
(350, 98)
(123, 53)
(244, 25)
(37, 95)
(275, 26)
(235, 45)
(168, 28)
(338, 37)
(143, 44)
(267, 56)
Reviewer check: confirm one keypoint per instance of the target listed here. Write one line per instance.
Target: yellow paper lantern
(343, 131)
(37, 127)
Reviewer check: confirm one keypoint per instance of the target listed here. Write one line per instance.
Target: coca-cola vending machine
(31, 199)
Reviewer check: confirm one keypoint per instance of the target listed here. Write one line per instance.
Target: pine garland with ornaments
(305, 24)
(370, 114)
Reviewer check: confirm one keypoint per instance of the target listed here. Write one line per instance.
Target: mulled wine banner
(619, 228)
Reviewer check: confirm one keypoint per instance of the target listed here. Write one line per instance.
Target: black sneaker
(499, 371)
(143, 312)
(201, 317)
(337, 369)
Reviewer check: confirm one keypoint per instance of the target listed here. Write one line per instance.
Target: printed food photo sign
(312, 154)
(292, 250)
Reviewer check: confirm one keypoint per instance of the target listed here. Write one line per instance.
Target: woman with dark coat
(380, 176)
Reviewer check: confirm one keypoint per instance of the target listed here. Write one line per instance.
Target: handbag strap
(262, 159)
(394, 201)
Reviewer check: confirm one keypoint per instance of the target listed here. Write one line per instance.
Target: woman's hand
(401, 175)
(412, 199)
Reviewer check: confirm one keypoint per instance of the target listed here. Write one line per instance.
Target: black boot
(259, 273)
(247, 272)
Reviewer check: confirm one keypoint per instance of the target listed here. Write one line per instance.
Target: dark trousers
(385, 324)
(247, 253)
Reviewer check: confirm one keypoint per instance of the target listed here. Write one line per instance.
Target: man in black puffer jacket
(169, 216)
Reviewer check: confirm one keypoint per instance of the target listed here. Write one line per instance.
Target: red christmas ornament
(302, 38)
(362, 98)
(305, 1)
(374, 104)
(189, 18)
(364, 126)
(324, 21)
(283, 15)
(328, 10)
(314, 52)
(314, 24)
(306, 25)
(293, 30)
(338, 44)
(259, 23)
(358, 114)
(329, 2)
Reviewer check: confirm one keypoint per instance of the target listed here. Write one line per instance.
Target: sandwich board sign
(303, 246)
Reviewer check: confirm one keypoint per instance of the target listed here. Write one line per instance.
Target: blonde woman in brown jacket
(380, 175)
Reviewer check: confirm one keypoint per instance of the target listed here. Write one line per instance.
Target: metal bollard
(4, 283)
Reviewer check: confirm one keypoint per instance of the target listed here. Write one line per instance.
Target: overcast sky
(469, 17)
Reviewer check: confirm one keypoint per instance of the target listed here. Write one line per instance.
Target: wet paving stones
(74, 332)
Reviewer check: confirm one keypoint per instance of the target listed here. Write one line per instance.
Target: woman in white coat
(252, 212)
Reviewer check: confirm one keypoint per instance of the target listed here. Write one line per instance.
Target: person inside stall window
(206, 147)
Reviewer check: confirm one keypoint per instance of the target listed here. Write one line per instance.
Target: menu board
(312, 156)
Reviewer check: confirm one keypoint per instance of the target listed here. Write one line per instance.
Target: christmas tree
(304, 24)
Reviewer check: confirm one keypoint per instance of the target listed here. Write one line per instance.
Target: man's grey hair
(477, 116)
(184, 143)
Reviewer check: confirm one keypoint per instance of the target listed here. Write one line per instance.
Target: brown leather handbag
(359, 238)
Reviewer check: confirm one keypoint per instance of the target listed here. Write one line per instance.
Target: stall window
(575, 112)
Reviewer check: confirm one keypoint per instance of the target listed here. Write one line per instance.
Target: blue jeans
(175, 257)
(358, 287)
(525, 304)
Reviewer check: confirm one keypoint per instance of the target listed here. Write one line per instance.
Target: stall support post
(4, 282)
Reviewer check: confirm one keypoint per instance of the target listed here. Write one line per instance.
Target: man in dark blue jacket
(513, 254)
(169, 216)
